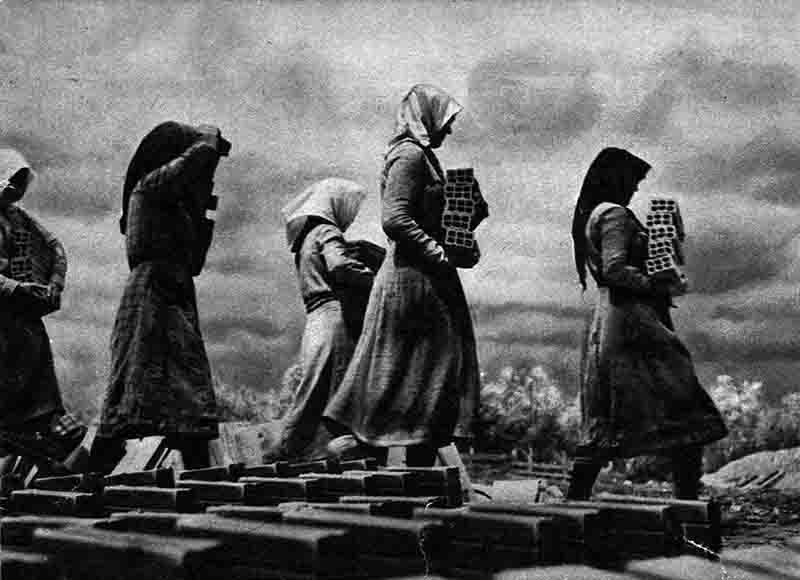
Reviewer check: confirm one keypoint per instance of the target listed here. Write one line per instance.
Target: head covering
(160, 146)
(11, 162)
(423, 113)
(334, 200)
(609, 179)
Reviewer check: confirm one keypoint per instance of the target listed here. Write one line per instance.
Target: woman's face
(437, 140)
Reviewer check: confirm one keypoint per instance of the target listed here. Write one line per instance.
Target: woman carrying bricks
(329, 273)
(33, 268)
(413, 380)
(160, 382)
(639, 391)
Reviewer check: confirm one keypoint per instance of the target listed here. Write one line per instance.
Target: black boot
(582, 476)
(687, 468)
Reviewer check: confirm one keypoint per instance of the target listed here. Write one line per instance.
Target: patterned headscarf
(11, 162)
(160, 146)
(423, 113)
(334, 200)
(608, 179)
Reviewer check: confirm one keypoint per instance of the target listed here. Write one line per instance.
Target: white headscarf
(334, 200)
(424, 112)
(12, 161)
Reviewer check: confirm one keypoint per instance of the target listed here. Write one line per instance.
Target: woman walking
(639, 391)
(330, 274)
(160, 380)
(413, 380)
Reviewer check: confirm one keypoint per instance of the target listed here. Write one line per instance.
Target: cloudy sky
(706, 91)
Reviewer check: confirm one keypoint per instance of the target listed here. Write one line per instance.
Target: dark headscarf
(610, 178)
(160, 146)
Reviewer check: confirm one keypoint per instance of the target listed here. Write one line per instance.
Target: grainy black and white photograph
(399, 289)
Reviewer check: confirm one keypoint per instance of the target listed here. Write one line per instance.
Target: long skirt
(325, 351)
(28, 385)
(414, 376)
(639, 391)
(160, 380)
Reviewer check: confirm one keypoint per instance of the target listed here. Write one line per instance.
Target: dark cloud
(538, 97)
(697, 72)
(651, 118)
(772, 157)
(720, 259)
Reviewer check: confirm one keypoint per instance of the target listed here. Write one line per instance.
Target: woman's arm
(343, 268)
(406, 178)
(616, 230)
(168, 182)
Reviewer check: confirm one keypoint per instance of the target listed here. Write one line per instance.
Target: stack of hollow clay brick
(665, 238)
(322, 520)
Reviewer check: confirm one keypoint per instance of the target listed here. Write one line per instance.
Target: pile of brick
(321, 519)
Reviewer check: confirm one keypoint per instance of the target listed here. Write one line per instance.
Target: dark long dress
(327, 272)
(160, 381)
(639, 390)
(414, 375)
(28, 385)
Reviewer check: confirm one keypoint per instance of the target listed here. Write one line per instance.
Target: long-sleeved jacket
(165, 217)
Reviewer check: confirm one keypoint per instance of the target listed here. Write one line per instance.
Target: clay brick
(58, 503)
(215, 491)
(631, 516)
(149, 478)
(287, 488)
(26, 566)
(367, 464)
(384, 482)
(86, 483)
(179, 499)
(284, 547)
(278, 469)
(320, 466)
(443, 481)
(579, 524)
(539, 537)
(388, 566)
(18, 531)
(642, 543)
(141, 522)
(377, 535)
(687, 511)
(88, 553)
(206, 474)
(257, 513)
(396, 506)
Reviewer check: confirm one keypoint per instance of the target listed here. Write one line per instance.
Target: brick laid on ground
(149, 478)
(287, 488)
(684, 510)
(396, 506)
(26, 566)
(277, 469)
(631, 516)
(382, 482)
(366, 464)
(523, 540)
(178, 499)
(88, 553)
(280, 546)
(62, 503)
(257, 513)
(378, 535)
(319, 466)
(141, 522)
(584, 530)
(205, 474)
(18, 530)
(86, 483)
(444, 481)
